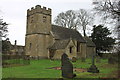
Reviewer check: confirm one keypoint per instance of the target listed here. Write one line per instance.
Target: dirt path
(74, 69)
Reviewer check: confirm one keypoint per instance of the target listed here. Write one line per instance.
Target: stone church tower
(38, 31)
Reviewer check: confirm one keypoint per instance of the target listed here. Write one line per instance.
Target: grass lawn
(39, 69)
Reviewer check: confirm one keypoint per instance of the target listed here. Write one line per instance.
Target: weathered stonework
(44, 40)
(38, 31)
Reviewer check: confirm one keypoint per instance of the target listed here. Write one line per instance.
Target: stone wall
(83, 50)
(67, 50)
(38, 28)
(38, 20)
(58, 53)
(81, 54)
(36, 45)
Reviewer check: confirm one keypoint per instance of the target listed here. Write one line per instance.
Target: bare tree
(84, 19)
(3, 28)
(111, 7)
(74, 19)
(67, 19)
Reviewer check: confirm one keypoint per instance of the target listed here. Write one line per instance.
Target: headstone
(93, 68)
(113, 58)
(67, 67)
(82, 59)
(74, 59)
(98, 59)
(110, 60)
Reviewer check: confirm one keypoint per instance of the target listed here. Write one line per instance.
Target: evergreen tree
(101, 38)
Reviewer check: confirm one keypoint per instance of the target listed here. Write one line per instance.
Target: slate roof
(89, 42)
(65, 33)
(60, 44)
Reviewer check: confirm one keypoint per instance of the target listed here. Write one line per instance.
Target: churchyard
(46, 68)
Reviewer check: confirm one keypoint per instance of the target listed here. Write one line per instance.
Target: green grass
(14, 61)
(105, 69)
(38, 69)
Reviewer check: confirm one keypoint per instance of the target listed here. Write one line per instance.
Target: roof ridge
(63, 27)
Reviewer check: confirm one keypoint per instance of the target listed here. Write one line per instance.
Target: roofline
(63, 27)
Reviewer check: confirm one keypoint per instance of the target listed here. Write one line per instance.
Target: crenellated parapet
(39, 9)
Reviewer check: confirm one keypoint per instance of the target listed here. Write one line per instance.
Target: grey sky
(14, 13)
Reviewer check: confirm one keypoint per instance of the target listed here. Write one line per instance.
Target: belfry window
(44, 18)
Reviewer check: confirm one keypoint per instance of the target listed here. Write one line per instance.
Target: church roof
(89, 42)
(62, 33)
(60, 44)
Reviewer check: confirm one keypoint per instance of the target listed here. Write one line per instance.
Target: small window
(44, 18)
(30, 46)
(71, 49)
(78, 47)
(31, 20)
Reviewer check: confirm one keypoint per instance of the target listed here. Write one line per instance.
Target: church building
(44, 40)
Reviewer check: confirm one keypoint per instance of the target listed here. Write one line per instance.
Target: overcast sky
(14, 13)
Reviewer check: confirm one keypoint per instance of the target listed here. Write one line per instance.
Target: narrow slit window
(78, 47)
(71, 49)
(30, 46)
(31, 19)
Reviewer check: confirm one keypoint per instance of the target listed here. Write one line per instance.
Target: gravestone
(83, 59)
(93, 68)
(67, 67)
(113, 58)
(98, 59)
(74, 59)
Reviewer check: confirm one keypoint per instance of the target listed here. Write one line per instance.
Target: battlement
(39, 9)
